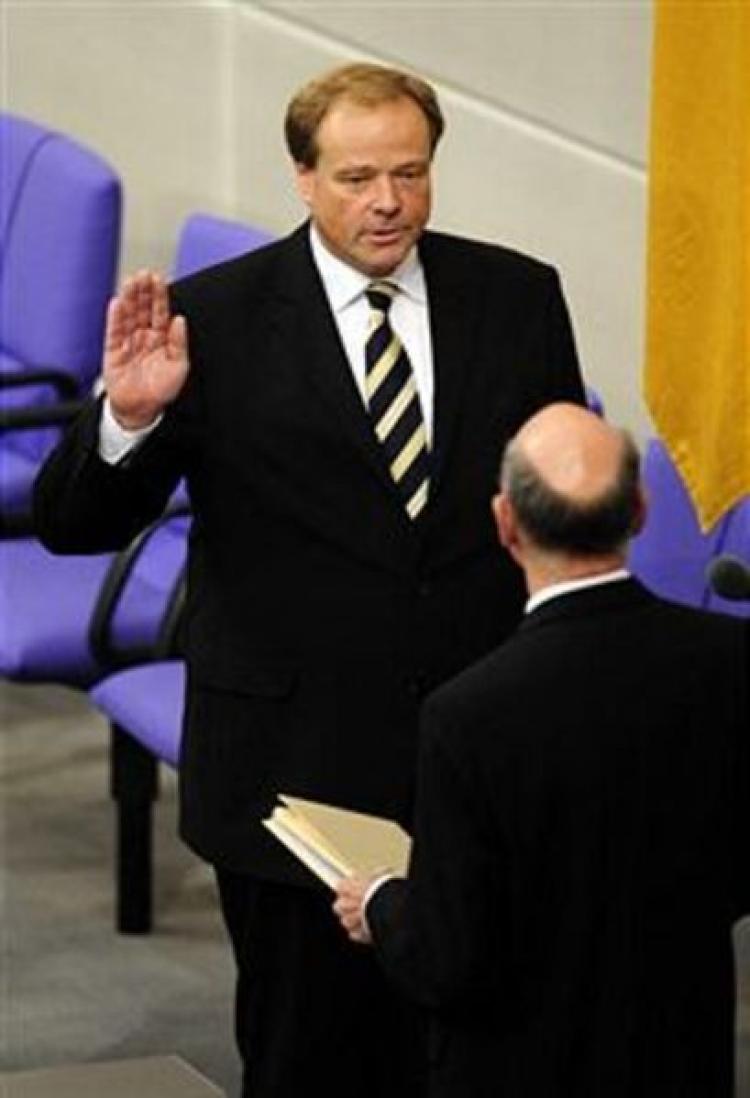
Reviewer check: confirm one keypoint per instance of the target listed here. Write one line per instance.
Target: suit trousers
(314, 1014)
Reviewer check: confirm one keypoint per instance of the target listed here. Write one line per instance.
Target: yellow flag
(698, 307)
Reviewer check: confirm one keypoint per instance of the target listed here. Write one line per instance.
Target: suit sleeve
(84, 505)
(438, 932)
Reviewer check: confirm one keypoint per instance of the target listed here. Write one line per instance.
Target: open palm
(145, 351)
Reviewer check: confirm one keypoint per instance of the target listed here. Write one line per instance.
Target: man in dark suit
(342, 559)
(582, 814)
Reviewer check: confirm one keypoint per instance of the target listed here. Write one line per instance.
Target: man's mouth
(387, 235)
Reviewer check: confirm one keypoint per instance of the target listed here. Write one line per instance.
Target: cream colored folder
(335, 842)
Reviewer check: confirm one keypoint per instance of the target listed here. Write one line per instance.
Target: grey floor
(71, 989)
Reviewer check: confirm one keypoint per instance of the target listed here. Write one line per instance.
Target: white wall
(546, 105)
(146, 85)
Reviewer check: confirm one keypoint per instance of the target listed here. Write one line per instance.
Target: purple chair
(734, 540)
(594, 402)
(107, 607)
(60, 218)
(144, 704)
(156, 720)
(671, 554)
(71, 619)
(206, 240)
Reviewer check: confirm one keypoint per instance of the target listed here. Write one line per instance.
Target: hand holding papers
(335, 843)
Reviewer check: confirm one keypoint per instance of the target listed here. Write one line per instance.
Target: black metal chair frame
(134, 770)
(36, 416)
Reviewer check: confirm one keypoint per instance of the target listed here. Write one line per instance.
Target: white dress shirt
(545, 594)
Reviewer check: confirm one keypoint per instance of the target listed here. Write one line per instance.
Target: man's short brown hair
(365, 84)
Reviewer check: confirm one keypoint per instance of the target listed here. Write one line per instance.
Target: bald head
(572, 483)
(576, 453)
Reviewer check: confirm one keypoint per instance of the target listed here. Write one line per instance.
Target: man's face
(369, 193)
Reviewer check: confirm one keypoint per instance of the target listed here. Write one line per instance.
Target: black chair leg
(134, 785)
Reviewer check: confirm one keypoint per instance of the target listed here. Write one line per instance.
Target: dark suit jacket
(317, 614)
(581, 852)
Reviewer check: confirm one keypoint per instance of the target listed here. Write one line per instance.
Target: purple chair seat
(148, 702)
(47, 603)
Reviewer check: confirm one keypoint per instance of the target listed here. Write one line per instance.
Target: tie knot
(381, 295)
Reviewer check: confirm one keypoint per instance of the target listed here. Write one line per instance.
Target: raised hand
(145, 351)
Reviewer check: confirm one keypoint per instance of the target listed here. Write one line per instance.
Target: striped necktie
(393, 402)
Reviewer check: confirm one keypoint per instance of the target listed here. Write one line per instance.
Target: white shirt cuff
(114, 441)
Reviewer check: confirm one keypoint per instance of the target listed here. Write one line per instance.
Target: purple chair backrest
(735, 541)
(60, 220)
(671, 553)
(206, 240)
(20, 142)
(594, 402)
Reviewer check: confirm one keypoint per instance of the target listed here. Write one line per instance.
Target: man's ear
(505, 521)
(304, 179)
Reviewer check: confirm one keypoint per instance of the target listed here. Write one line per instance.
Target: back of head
(573, 483)
(363, 83)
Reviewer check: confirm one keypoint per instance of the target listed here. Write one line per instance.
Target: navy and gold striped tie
(394, 402)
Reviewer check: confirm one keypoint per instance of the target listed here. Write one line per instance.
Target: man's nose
(386, 195)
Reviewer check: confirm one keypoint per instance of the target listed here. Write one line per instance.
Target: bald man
(583, 810)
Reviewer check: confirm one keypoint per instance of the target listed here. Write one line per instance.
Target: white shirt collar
(344, 284)
(566, 586)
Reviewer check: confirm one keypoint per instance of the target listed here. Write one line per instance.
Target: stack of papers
(335, 842)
